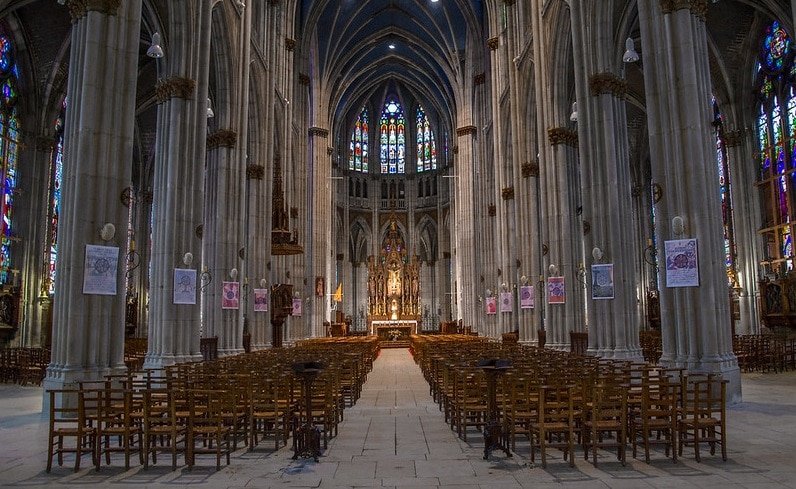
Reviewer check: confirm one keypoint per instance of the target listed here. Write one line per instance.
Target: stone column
(173, 330)
(605, 182)
(88, 330)
(319, 201)
(694, 320)
(465, 218)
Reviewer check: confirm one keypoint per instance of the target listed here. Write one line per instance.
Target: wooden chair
(554, 427)
(164, 431)
(207, 431)
(656, 421)
(605, 425)
(269, 414)
(116, 421)
(68, 420)
(704, 417)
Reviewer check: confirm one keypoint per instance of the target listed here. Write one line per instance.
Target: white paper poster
(602, 281)
(260, 300)
(491, 305)
(682, 263)
(230, 295)
(555, 290)
(100, 270)
(184, 286)
(506, 302)
(527, 297)
(296, 308)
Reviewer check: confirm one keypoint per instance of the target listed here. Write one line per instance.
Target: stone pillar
(465, 219)
(694, 320)
(747, 241)
(173, 330)
(319, 200)
(88, 330)
(605, 183)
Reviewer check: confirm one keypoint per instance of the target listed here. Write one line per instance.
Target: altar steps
(394, 344)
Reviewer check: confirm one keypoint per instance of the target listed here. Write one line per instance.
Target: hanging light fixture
(630, 56)
(155, 50)
(210, 113)
(574, 115)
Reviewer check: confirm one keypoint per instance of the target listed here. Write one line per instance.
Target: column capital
(493, 43)
(507, 193)
(562, 135)
(699, 8)
(318, 131)
(44, 143)
(303, 79)
(79, 8)
(223, 138)
(255, 172)
(733, 138)
(530, 169)
(290, 44)
(479, 79)
(492, 210)
(602, 83)
(466, 130)
(174, 87)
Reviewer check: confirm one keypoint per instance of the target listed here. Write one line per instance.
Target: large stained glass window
(9, 150)
(776, 138)
(358, 159)
(393, 138)
(426, 147)
(56, 179)
(722, 162)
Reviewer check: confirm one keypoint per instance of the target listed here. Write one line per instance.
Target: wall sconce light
(597, 254)
(552, 270)
(187, 259)
(524, 280)
(210, 113)
(240, 4)
(631, 55)
(488, 292)
(155, 50)
(504, 287)
(107, 231)
(574, 115)
(206, 277)
(678, 225)
(233, 274)
(263, 283)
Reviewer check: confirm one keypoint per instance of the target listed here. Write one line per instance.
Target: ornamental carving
(255, 172)
(174, 87)
(507, 193)
(562, 135)
(603, 83)
(44, 143)
(304, 79)
(455, 150)
(224, 138)
(509, 2)
(733, 138)
(79, 8)
(479, 79)
(530, 169)
(290, 44)
(466, 130)
(699, 8)
(493, 43)
(319, 131)
(492, 210)
(329, 150)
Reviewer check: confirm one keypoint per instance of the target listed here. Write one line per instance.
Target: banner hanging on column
(230, 295)
(184, 286)
(100, 270)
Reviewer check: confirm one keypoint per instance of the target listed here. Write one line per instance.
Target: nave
(395, 436)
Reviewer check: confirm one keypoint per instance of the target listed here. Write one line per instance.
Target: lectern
(495, 434)
(307, 437)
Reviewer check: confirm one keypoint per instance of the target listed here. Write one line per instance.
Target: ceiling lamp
(391, 46)
(630, 56)
(155, 51)
(574, 115)
(210, 113)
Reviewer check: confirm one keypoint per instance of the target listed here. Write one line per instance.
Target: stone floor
(396, 437)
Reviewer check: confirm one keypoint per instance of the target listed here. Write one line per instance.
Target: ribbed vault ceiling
(349, 44)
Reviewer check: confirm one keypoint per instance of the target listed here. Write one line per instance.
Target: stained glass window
(722, 161)
(56, 179)
(776, 146)
(9, 150)
(358, 159)
(426, 146)
(392, 138)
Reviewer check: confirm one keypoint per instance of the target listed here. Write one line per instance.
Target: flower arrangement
(394, 334)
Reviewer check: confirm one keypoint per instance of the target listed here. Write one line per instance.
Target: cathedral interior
(208, 177)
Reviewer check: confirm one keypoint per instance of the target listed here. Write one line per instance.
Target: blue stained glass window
(358, 159)
(393, 138)
(426, 146)
(9, 152)
(56, 180)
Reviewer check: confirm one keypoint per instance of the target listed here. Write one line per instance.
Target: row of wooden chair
(555, 399)
(205, 407)
(23, 365)
(764, 352)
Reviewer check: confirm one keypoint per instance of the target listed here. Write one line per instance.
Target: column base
(726, 366)
(159, 362)
(632, 354)
(69, 378)
(228, 352)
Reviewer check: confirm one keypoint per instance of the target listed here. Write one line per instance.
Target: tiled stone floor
(396, 437)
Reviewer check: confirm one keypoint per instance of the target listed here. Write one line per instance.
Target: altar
(382, 329)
